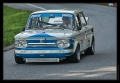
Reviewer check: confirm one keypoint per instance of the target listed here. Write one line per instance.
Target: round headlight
(63, 43)
(20, 43)
(16, 43)
(24, 43)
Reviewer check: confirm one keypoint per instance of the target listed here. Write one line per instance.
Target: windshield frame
(72, 19)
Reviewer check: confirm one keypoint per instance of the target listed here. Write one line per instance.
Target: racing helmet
(66, 18)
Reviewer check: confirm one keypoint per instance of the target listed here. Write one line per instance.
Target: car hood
(47, 33)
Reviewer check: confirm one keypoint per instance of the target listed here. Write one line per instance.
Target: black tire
(19, 60)
(75, 58)
(91, 50)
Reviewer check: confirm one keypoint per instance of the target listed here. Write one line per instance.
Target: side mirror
(87, 19)
(23, 29)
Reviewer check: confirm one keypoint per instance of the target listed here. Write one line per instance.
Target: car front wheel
(19, 60)
(75, 58)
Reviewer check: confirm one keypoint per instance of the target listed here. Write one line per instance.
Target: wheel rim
(78, 54)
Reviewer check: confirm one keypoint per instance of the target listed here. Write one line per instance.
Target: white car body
(43, 45)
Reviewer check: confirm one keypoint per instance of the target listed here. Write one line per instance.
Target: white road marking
(63, 9)
(36, 6)
(42, 7)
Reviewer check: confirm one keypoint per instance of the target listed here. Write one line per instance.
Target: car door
(85, 34)
(81, 32)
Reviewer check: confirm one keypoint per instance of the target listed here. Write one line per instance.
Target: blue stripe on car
(44, 41)
(50, 41)
(41, 35)
(71, 43)
(33, 41)
(50, 55)
(42, 48)
(50, 14)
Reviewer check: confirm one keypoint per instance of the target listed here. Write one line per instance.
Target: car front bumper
(43, 52)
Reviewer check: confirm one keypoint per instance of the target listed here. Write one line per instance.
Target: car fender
(91, 38)
(75, 45)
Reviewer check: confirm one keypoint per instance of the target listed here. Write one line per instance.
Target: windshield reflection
(54, 20)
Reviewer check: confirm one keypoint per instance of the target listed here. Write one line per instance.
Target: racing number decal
(81, 40)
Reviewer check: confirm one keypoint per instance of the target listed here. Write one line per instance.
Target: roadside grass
(13, 22)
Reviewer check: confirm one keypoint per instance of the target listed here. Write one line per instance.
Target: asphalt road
(100, 66)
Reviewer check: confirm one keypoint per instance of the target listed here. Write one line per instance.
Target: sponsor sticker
(38, 15)
(22, 51)
(67, 15)
(41, 54)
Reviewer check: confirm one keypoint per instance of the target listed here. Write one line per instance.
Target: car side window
(78, 22)
(83, 21)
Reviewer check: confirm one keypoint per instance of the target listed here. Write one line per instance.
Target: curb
(8, 48)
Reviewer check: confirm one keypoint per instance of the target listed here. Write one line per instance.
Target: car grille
(42, 42)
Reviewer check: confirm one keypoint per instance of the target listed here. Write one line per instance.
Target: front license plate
(42, 59)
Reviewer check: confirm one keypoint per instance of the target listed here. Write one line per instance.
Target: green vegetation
(13, 22)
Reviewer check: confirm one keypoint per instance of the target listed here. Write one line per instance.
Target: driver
(66, 22)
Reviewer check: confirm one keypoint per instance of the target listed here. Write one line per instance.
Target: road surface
(100, 66)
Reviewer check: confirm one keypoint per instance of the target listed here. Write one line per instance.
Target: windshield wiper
(47, 23)
(35, 27)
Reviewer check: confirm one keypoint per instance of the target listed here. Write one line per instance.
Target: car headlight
(21, 43)
(63, 43)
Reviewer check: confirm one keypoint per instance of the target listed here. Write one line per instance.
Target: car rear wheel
(19, 60)
(91, 50)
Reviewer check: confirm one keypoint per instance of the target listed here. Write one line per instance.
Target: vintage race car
(54, 35)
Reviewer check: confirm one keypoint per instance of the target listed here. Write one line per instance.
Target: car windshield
(50, 20)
